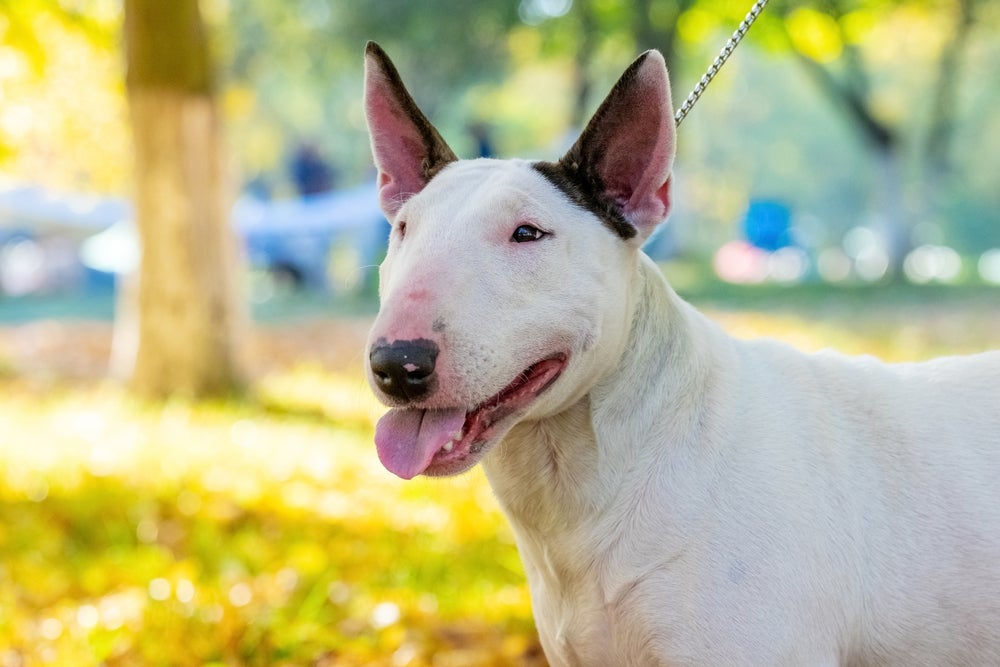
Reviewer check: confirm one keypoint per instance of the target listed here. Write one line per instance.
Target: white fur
(683, 498)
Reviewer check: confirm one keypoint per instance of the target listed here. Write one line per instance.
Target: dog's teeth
(448, 446)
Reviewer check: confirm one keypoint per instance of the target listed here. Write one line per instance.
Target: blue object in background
(768, 225)
(295, 237)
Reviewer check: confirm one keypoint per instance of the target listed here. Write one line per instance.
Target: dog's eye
(526, 233)
(401, 228)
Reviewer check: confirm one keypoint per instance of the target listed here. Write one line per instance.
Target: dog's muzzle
(404, 369)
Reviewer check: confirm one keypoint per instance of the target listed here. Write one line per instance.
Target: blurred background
(189, 241)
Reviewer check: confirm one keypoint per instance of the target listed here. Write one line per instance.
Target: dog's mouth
(414, 441)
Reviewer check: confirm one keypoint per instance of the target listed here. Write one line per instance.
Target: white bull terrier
(678, 497)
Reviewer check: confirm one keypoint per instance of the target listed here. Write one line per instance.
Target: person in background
(311, 173)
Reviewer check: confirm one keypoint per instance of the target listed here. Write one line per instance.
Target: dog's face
(504, 293)
(506, 287)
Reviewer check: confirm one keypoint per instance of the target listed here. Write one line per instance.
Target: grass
(265, 532)
(894, 321)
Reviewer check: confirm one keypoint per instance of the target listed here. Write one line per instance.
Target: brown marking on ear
(619, 168)
(586, 191)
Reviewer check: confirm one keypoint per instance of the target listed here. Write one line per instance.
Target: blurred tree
(640, 25)
(655, 27)
(183, 315)
(311, 93)
(582, 78)
(414, 29)
(827, 37)
(942, 124)
(648, 24)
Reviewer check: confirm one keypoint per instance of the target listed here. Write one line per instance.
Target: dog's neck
(564, 470)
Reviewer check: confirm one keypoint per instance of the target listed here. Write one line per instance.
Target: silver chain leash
(717, 64)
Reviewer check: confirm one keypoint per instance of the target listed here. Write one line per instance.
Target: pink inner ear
(630, 143)
(406, 147)
(396, 145)
(646, 146)
(399, 161)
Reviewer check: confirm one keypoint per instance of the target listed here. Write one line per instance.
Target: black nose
(404, 369)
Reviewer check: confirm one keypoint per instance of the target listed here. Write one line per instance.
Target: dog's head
(505, 291)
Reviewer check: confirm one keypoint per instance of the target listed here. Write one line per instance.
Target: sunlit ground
(263, 531)
(260, 531)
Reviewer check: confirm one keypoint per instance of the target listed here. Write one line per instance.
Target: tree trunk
(945, 92)
(662, 36)
(893, 222)
(939, 171)
(851, 96)
(187, 315)
(582, 80)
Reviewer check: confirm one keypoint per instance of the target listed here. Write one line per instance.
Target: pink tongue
(407, 439)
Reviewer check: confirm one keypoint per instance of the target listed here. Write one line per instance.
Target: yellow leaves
(857, 25)
(815, 35)
(696, 25)
(63, 124)
(239, 101)
(236, 532)
(524, 44)
(13, 63)
(823, 37)
(304, 388)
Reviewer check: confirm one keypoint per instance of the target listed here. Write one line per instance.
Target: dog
(678, 497)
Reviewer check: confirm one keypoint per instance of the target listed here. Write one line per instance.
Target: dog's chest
(592, 598)
(569, 605)
(587, 611)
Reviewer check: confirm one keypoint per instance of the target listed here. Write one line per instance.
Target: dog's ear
(626, 152)
(408, 150)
